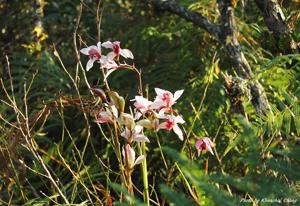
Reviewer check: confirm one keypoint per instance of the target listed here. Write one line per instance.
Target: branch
(275, 21)
(191, 16)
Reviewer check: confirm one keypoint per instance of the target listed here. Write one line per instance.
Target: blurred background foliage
(254, 159)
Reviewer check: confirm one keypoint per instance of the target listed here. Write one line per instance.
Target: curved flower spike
(94, 53)
(204, 144)
(117, 51)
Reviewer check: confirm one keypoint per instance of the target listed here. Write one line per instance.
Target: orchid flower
(135, 134)
(142, 105)
(171, 124)
(129, 154)
(117, 51)
(204, 144)
(165, 98)
(108, 115)
(94, 53)
(108, 63)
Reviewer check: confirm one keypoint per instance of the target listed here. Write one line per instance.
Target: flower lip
(94, 54)
(116, 48)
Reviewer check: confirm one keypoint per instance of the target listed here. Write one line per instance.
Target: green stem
(145, 173)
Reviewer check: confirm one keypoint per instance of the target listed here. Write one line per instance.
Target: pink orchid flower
(165, 98)
(94, 53)
(171, 124)
(117, 51)
(108, 115)
(135, 134)
(204, 144)
(129, 154)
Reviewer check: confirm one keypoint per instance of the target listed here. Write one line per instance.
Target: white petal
(139, 160)
(114, 111)
(137, 115)
(138, 129)
(107, 45)
(126, 53)
(178, 131)
(125, 133)
(93, 47)
(210, 150)
(177, 94)
(99, 46)
(159, 91)
(85, 51)
(142, 102)
(132, 154)
(141, 138)
(89, 64)
(123, 151)
(179, 119)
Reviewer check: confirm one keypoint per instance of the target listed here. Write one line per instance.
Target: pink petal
(163, 125)
(199, 143)
(157, 104)
(104, 117)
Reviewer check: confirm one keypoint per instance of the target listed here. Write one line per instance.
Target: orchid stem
(145, 173)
